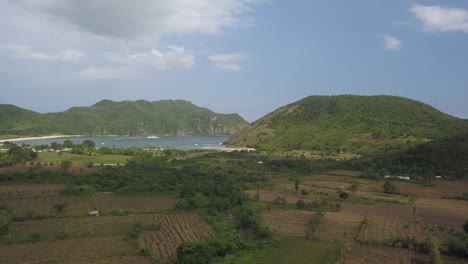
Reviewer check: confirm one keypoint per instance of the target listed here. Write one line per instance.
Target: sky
(232, 56)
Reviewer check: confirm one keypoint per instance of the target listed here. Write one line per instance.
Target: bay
(164, 142)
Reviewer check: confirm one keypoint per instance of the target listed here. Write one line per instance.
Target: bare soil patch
(176, 229)
(288, 222)
(90, 250)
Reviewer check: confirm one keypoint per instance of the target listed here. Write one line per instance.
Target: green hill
(349, 123)
(166, 117)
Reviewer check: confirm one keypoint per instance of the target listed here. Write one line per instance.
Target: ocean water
(165, 142)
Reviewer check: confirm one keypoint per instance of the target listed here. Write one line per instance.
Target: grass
(48, 157)
(300, 250)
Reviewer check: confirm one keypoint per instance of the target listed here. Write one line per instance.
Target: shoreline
(42, 137)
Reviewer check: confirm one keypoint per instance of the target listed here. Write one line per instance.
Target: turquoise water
(173, 142)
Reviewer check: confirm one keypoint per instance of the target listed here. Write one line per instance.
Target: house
(93, 213)
(404, 178)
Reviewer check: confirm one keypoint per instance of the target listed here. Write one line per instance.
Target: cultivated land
(73, 237)
(52, 157)
(368, 215)
(328, 229)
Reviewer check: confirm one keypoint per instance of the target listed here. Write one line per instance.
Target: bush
(343, 195)
(300, 204)
(304, 192)
(390, 187)
(457, 245)
(433, 249)
(154, 225)
(34, 237)
(279, 200)
(75, 190)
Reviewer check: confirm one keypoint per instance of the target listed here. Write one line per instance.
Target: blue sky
(244, 56)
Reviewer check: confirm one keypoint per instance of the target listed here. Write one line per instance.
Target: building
(93, 213)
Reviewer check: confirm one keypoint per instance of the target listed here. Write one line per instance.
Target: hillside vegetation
(349, 123)
(166, 117)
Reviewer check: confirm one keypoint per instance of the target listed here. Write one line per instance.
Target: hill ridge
(141, 117)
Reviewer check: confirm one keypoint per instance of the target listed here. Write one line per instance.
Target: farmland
(55, 158)
(225, 207)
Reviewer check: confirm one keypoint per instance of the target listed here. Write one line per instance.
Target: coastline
(42, 137)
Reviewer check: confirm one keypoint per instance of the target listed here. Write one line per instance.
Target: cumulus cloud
(391, 42)
(175, 58)
(442, 19)
(131, 65)
(228, 61)
(27, 53)
(131, 19)
(107, 73)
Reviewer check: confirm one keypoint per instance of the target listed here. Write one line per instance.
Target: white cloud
(175, 58)
(437, 18)
(391, 42)
(106, 73)
(228, 61)
(27, 53)
(150, 18)
(132, 65)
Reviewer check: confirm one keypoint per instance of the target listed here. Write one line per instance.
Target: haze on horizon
(243, 56)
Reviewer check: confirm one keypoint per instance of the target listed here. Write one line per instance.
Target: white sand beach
(43, 137)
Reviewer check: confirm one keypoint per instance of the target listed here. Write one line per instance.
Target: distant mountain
(349, 123)
(166, 117)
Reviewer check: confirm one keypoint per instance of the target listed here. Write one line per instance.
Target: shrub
(390, 187)
(34, 237)
(344, 195)
(433, 249)
(154, 225)
(300, 204)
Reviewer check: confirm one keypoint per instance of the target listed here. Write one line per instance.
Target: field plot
(324, 177)
(348, 173)
(55, 158)
(288, 222)
(269, 196)
(444, 188)
(75, 168)
(81, 205)
(358, 254)
(8, 192)
(293, 250)
(430, 217)
(176, 229)
(326, 184)
(73, 251)
(342, 225)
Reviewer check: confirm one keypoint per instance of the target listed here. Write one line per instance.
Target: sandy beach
(43, 137)
(230, 149)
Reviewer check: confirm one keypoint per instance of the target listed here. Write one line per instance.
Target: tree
(465, 226)
(343, 195)
(279, 200)
(296, 185)
(59, 207)
(89, 144)
(354, 187)
(434, 253)
(390, 187)
(300, 204)
(68, 144)
(65, 165)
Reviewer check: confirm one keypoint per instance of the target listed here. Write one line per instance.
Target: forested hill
(349, 123)
(166, 117)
